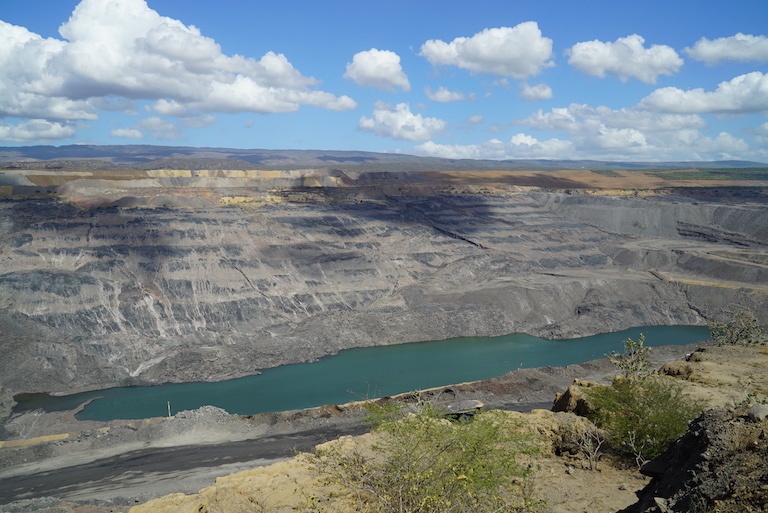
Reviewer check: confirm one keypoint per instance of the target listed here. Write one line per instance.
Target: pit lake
(360, 373)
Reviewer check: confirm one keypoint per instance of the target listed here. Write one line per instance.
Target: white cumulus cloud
(744, 94)
(576, 118)
(519, 146)
(377, 68)
(202, 121)
(127, 133)
(603, 144)
(398, 122)
(635, 134)
(535, 93)
(160, 128)
(625, 58)
(35, 130)
(761, 137)
(476, 119)
(123, 49)
(741, 48)
(517, 52)
(169, 108)
(604, 133)
(444, 95)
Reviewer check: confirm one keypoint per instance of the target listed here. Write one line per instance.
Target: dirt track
(147, 472)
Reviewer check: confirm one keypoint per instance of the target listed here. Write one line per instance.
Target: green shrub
(424, 463)
(641, 415)
(634, 361)
(741, 329)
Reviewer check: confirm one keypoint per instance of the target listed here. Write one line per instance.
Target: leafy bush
(641, 415)
(634, 361)
(425, 463)
(742, 329)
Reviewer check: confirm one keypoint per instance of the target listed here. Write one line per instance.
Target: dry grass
(571, 178)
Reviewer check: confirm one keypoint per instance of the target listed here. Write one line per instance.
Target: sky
(652, 80)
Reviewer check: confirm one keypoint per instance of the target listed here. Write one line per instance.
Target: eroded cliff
(208, 287)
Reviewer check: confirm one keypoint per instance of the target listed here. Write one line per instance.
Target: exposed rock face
(113, 296)
(574, 400)
(721, 462)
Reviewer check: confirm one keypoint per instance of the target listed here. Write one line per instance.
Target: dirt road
(143, 473)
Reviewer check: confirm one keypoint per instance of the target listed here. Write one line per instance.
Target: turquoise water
(360, 373)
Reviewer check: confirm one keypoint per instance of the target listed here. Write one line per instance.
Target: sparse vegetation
(641, 412)
(423, 462)
(750, 395)
(641, 415)
(737, 173)
(633, 362)
(608, 173)
(590, 442)
(741, 329)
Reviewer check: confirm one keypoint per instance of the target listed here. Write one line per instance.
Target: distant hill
(185, 157)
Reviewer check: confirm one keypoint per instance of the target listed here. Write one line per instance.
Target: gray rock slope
(91, 298)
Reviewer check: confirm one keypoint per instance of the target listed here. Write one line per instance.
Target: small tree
(634, 361)
(641, 412)
(642, 415)
(424, 463)
(588, 440)
(742, 329)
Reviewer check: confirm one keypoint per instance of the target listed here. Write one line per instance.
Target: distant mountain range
(185, 157)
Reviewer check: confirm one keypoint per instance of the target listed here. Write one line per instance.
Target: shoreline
(471, 370)
(96, 449)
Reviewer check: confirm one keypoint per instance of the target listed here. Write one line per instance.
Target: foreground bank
(93, 442)
(721, 376)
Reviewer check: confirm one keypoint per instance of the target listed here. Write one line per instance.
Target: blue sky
(650, 81)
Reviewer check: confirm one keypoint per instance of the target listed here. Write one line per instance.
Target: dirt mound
(720, 464)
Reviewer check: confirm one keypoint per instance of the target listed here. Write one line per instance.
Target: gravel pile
(210, 413)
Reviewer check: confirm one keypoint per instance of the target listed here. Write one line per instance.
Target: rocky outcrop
(573, 399)
(97, 297)
(720, 464)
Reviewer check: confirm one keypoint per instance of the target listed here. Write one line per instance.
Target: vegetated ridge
(184, 157)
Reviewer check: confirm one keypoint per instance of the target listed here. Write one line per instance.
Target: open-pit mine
(121, 276)
(139, 265)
